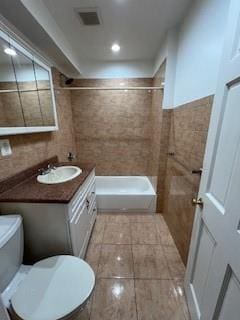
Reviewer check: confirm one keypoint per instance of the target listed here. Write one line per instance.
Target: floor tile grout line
(168, 264)
(131, 244)
(93, 296)
(136, 278)
(100, 255)
(137, 222)
(135, 298)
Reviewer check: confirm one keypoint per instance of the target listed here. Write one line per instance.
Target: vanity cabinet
(57, 228)
(82, 212)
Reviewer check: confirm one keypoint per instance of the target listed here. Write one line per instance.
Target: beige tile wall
(188, 133)
(162, 165)
(160, 124)
(113, 128)
(189, 128)
(31, 149)
(156, 124)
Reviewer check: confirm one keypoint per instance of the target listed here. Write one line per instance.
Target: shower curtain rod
(109, 88)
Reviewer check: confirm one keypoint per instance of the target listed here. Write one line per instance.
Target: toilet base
(83, 313)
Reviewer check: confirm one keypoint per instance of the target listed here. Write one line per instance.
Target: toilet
(52, 289)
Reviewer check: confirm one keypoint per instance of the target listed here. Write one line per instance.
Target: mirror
(27, 101)
(27, 86)
(44, 94)
(11, 114)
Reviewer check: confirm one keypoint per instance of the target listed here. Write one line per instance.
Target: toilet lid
(53, 288)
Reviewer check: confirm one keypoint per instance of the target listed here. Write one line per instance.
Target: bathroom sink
(59, 175)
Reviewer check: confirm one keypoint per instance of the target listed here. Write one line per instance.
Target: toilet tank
(11, 248)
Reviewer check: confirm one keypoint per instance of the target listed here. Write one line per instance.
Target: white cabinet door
(212, 280)
(79, 226)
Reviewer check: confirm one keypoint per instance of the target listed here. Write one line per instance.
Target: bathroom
(119, 160)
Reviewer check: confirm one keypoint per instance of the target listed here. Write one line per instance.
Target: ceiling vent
(89, 17)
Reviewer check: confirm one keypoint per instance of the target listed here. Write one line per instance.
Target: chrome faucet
(51, 167)
(43, 171)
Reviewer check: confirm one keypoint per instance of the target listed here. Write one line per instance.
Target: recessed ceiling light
(10, 51)
(115, 47)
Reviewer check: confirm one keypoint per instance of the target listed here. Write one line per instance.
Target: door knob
(197, 202)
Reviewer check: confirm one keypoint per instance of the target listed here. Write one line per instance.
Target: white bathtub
(125, 194)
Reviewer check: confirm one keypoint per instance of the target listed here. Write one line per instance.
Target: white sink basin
(59, 175)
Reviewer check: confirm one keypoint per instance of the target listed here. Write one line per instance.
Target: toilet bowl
(52, 289)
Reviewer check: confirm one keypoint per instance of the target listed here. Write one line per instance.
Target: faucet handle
(41, 171)
(51, 166)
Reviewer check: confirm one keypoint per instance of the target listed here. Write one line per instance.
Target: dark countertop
(30, 190)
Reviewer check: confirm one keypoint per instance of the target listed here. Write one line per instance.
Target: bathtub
(125, 194)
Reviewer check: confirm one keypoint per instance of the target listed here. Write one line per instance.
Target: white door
(212, 281)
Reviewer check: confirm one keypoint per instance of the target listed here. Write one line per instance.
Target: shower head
(66, 80)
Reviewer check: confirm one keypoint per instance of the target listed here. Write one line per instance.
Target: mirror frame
(24, 130)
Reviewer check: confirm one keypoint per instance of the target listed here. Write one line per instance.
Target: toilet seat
(54, 288)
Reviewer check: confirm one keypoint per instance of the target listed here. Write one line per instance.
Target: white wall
(40, 12)
(126, 69)
(168, 52)
(197, 49)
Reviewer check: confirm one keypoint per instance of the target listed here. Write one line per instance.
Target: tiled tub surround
(31, 149)
(156, 126)
(139, 273)
(188, 133)
(163, 156)
(113, 127)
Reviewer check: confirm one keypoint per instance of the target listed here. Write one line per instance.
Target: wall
(40, 12)
(200, 46)
(156, 123)
(193, 53)
(187, 138)
(117, 69)
(159, 138)
(112, 128)
(31, 149)
(168, 53)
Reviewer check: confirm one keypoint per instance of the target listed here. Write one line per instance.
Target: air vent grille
(90, 18)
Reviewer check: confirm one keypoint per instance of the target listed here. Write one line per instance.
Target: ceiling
(139, 26)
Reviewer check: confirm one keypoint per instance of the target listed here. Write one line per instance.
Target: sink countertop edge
(29, 190)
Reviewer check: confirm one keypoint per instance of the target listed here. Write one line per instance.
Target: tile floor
(139, 273)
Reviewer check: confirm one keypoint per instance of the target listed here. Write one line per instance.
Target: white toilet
(52, 289)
